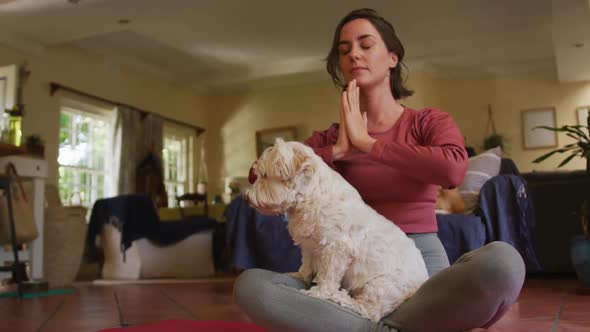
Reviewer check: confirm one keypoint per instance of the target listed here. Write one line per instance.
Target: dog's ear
(289, 159)
(302, 159)
(281, 155)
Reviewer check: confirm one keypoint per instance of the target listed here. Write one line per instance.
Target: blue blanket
(506, 209)
(135, 216)
(460, 233)
(254, 240)
(504, 214)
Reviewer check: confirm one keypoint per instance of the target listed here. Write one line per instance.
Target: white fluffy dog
(356, 257)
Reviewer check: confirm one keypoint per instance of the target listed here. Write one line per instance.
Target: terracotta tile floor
(544, 305)
(548, 305)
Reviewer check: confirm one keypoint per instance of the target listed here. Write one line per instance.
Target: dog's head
(279, 176)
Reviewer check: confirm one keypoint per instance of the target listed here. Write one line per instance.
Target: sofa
(135, 244)
(503, 213)
(557, 197)
(191, 257)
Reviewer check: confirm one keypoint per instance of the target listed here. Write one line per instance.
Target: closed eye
(343, 50)
(366, 42)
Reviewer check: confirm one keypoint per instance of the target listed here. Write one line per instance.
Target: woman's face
(363, 55)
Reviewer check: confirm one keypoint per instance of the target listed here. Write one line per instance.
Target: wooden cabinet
(557, 197)
(34, 169)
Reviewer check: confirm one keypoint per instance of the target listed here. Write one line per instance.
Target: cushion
(481, 168)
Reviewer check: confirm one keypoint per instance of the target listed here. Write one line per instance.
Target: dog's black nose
(252, 176)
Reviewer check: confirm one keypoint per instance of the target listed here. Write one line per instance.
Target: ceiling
(217, 43)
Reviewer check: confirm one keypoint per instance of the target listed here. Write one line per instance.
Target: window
(85, 151)
(177, 155)
(3, 93)
(8, 77)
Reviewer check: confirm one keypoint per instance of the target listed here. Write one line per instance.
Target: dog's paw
(342, 298)
(300, 276)
(376, 317)
(323, 293)
(316, 291)
(296, 275)
(362, 311)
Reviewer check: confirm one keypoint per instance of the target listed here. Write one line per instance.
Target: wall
(233, 116)
(236, 115)
(509, 95)
(80, 70)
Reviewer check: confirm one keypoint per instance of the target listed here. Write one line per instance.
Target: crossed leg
(474, 292)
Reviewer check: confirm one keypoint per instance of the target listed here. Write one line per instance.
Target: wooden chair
(196, 199)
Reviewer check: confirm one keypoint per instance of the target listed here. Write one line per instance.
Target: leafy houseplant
(580, 249)
(580, 245)
(579, 148)
(35, 145)
(585, 219)
(493, 139)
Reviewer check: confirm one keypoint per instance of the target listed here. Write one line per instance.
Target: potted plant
(493, 139)
(580, 249)
(580, 148)
(580, 246)
(234, 188)
(35, 145)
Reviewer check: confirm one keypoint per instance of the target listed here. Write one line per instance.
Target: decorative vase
(38, 150)
(580, 254)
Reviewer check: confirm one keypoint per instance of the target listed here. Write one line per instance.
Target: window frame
(9, 75)
(177, 131)
(100, 113)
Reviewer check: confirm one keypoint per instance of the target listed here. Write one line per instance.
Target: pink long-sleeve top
(400, 176)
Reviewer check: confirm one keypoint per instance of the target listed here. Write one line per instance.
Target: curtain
(203, 177)
(138, 143)
(150, 170)
(127, 152)
(153, 134)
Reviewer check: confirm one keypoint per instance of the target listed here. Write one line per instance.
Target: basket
(64, 236)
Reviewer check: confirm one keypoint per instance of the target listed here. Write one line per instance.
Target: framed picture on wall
(538, 138)
(266, 137)
(582, 113)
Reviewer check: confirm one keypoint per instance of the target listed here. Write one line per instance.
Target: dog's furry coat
(356, 257)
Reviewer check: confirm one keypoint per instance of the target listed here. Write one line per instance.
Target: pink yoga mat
(191, 326)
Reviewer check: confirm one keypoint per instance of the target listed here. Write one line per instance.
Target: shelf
(9, 256)
(9, 149)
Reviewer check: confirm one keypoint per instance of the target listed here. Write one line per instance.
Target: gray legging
(474, 292)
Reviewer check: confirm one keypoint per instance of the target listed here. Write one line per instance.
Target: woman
(396, 158)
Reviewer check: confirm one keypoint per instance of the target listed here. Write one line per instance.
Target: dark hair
(392, 43)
